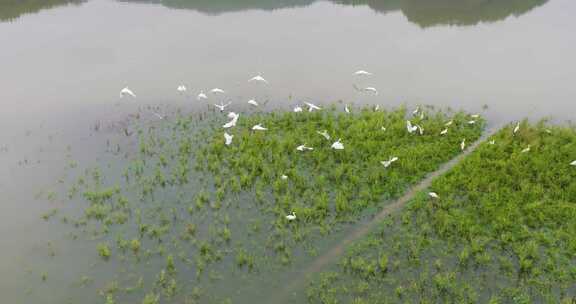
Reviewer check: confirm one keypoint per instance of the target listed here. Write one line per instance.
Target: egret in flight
(217, 91)
(228, 138)
(474, 116)
(181, 88)
(253, 102)
(259, 127)
(371, 90)
(303, 148)
(201, 96)
(573, 163)
(258, 78)
(234, 119)
(444, 132)
(337, 145)
(312, 107)
(291, 216)
(433, 195)
(389, 162)
(222, 106)
(284, 177)
(449, 123)
(126, 92)
(471, 122)
(325, 134)
(297, 109)
(362, 73)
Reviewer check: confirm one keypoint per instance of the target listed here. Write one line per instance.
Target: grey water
(63, 63)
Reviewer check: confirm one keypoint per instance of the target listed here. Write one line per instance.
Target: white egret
(217, 91)
(325, 134)
(471, 122)
(449, 123)
(370, 90)
(222, 106)
(492, 142)
(573, 163)
(297, 109)
(463, 144)
(258, 78)
(389, 162)
(126, 92)
(433, 195)
(421, 115)
(253, 102)
(548, 131)
(304, 148)
(516, 129)
(444, 132)
(181, 88)
(416, 111)
(420, 130)
(259, 127)
(201, 96)
(284, 177)
(527, 149)
(312, 107)
(376, 108)
(411, 129)
(291, 216)
(346, 109)
(362, 73)
(337, 145)
(475, 116)
(234, 119)
(228, 138)
(383, 128)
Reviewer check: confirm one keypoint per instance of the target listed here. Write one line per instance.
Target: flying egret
(284, 177)
(325, 134)
(389, 162)
(234, 119)
(253, 102)
(516, 129)
(346, 109)
(527, 149)
(258, 78)
(217, 91)
(573, 163)
(433, 195)
(463, 144)
(228, 138)
(471, 122)
(444, 132)
(222, 106)
(337, 145)
(291, 216)
(362, 73)
(126, 92)
(312, 107)
(411, 129)
(259, 127)
(297, 109)
(201, 96)
(304, 148)
(449, 123)
(370, 90)
(181, 88)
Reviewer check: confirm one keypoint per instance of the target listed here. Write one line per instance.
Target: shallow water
(62, 65)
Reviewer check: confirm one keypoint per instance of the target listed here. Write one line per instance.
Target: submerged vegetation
(177, 211)
(502, 230)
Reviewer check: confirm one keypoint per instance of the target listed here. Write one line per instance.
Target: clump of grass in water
(502, 230)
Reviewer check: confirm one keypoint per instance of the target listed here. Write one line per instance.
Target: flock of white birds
(337, 145)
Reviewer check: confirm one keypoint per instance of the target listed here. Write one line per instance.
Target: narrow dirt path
(332, 254)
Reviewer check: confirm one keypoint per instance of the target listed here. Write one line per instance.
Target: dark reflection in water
(12, 9)
(425, 13)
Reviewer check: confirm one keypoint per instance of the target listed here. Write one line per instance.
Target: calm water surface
(62, 64)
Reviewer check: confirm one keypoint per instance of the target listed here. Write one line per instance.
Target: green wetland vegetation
(176, 215)
(501, 231)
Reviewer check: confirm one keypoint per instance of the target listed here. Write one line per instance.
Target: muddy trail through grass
(297, 283)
